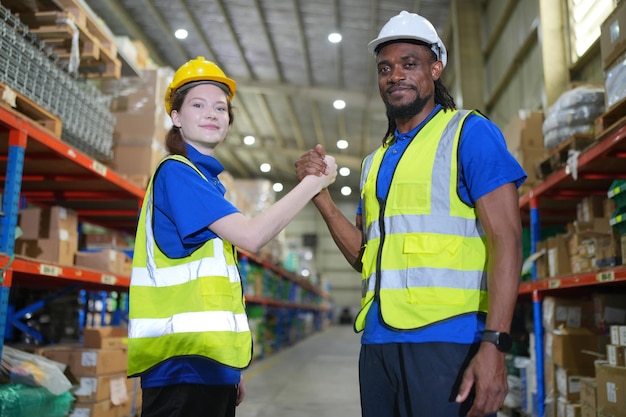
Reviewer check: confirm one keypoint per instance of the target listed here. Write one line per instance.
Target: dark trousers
(413, 379)
(189, 400)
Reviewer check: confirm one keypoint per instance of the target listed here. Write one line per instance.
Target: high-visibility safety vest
(425, 256)
(188, 306)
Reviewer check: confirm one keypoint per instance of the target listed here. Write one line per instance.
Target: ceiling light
(181, 34)
(334, 37)
(339, 104)
(265, 167)
(344, 171)
(249, 140)
(345, 190)
(342, 144)
(305, 272)
(277, 187)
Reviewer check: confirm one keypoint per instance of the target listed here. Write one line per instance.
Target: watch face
(504, 342)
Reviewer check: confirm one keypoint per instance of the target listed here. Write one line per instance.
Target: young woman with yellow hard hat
(189, 337)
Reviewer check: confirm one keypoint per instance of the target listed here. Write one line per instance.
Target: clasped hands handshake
(315, 162)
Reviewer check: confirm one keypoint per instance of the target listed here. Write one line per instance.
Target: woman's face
(203, 117)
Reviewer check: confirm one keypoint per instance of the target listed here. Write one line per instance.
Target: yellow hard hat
(198, 69)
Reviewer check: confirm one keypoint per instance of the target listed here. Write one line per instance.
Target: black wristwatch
(502, 340)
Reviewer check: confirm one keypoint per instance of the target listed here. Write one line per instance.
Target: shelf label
(108, 279)
(554, 283)
(99, 168)
(606, 276)
(50, 270)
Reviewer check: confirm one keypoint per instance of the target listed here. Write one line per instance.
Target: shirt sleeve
(485, 163)
(185, 205)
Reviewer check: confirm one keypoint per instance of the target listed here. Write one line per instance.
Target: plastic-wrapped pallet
(18, 400)
(573, 112)
(615, 81)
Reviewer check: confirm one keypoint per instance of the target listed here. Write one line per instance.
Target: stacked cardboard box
(576, 335)
(141, 122)
(589, 244)
(524, 139)
(99, 367)
(48, 234)
(613, 51)
(571, 339)
(110, 260)
(611, 390)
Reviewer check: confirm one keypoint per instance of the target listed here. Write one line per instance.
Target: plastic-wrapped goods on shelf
(23, 401)
(30, 68)
(573, 112)
(615, 82)
(34, 370)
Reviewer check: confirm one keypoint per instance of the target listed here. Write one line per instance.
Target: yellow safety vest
(425, 257)
(188, 306)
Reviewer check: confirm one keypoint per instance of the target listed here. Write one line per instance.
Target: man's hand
(487, 374)
(312, 163)
(241, 391)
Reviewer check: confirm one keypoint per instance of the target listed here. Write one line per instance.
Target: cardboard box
(569, 346)
(618, 335)
(590, 207)
(98, 388)
(588, 392)
(610, 309)
(88, 362)
(611, 382)
(567, 312)
(110, 260)
(137, 159)
(558, 257)
(48, 223)
(524, 131)
(105, 337)
(572, 410)
(541, 262)
(104, 408)
(613, 35)
(615, 355)
(568, 382)
(48, 250)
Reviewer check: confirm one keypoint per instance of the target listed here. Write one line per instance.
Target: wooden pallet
(97, 49)
(614, 117)
(557, 158)
(21, 104)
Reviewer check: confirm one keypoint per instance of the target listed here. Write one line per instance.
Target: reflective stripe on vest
(425, 255)
(187, 306)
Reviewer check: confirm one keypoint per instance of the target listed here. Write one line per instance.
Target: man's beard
(407, 111)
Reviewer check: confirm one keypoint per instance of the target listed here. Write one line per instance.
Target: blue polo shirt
(184, 206)
(484, 165)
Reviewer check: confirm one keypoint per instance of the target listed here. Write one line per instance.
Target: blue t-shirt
(484, 165)
(184, 206)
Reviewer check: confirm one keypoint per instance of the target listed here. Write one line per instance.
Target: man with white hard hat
(437, 240)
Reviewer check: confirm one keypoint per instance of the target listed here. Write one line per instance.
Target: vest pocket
(217, 293)
(413, 196)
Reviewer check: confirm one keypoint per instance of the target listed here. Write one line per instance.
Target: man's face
(406, 77)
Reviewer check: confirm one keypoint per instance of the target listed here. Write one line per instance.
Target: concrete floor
(316, 377)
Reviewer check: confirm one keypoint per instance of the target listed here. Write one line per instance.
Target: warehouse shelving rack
(553, 202)
(43, 170)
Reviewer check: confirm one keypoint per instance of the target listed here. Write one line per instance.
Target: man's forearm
(347, 236)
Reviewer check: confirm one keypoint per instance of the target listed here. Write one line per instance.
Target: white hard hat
(410, 26)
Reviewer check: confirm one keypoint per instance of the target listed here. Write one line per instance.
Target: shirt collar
(411, 134)
(205, 163)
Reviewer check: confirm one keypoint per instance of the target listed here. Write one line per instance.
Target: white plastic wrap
(34, 370)
(615, 82)
(573, 112)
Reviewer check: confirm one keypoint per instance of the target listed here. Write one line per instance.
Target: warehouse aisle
(317, 377)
